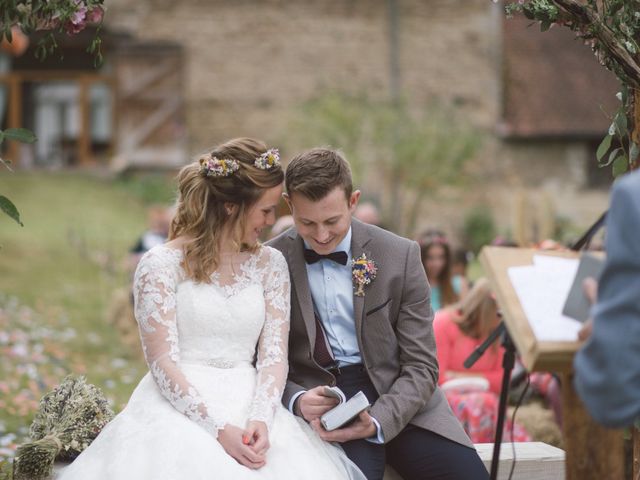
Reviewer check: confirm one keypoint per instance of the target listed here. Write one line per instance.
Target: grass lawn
(58, 275)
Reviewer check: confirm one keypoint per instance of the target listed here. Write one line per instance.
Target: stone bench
(534, 461)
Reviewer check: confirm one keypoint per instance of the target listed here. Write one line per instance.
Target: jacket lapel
(301, 283)
(359, 240)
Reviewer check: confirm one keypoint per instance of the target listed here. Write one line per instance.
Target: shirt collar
(345, 244)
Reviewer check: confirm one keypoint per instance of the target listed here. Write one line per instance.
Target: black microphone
(477, 353)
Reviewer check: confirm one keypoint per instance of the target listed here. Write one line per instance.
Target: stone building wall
(250, 64)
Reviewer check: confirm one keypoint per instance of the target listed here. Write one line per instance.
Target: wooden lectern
(592, 451)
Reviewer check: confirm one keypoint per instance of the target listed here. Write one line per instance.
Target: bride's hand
(256, 435)
(230, 437)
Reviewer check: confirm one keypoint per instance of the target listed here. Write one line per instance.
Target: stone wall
(250, 64)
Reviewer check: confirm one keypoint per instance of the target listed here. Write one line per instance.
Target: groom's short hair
(316, 172)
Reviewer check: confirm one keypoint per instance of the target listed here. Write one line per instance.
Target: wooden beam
(636, 452)
(84, 138)
(44, 75)
(142, 82)
(14, 115)
(593, 452)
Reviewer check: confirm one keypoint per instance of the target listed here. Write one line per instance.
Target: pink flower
(78, 20)
(80, 14)
(95, 15)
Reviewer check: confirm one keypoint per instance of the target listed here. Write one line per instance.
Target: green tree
(415, 152)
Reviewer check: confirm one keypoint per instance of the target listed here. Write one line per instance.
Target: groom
(373, 336)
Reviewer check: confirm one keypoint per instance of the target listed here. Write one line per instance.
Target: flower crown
(268, 160)
(211, 166)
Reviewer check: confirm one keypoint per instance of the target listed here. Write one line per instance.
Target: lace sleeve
(154, 290)
(272, 361)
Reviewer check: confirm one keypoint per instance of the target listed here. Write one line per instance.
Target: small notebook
(346, 410)
(577, 305)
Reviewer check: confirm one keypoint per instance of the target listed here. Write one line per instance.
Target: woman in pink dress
(473, 393)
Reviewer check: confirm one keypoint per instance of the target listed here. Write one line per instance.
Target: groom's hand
(361, 427)
(312, 404)
(590, 288)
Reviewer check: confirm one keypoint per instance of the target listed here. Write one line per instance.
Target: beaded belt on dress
(216, 362)
(224, 363)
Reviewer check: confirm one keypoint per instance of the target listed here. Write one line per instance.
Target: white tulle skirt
(151, 440)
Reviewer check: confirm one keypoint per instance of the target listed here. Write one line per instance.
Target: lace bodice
(241, 317)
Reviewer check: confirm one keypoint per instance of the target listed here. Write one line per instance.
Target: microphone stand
(508, 362)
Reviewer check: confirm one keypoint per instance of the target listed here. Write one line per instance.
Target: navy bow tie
(312, 257)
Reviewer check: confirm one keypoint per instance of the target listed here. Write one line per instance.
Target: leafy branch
(56, 17)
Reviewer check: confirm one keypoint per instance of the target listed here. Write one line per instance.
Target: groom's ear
(287, 200)
(353, 201)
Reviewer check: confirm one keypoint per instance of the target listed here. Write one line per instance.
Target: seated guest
(367, 212)
(159, 221)
(472, 393)
(459, 266)
(436, 259)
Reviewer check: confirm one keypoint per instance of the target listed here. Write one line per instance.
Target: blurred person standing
(607, 368)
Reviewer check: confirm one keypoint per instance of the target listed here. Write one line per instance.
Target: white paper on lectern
(542, 289)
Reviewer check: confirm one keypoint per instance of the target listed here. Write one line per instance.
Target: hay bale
(539, 422)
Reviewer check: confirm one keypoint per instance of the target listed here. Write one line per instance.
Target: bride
(212, 307)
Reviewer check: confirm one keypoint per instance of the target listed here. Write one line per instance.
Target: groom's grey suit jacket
(394, 329)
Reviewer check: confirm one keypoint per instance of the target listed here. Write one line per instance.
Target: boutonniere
(364, 272)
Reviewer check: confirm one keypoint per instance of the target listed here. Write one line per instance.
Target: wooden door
(150, 110)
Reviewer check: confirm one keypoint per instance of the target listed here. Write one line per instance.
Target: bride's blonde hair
(200, 211)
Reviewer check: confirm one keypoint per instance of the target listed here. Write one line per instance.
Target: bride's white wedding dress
(217, 354)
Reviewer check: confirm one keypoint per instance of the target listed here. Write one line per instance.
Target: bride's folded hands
(256, 435)
(232, 440)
